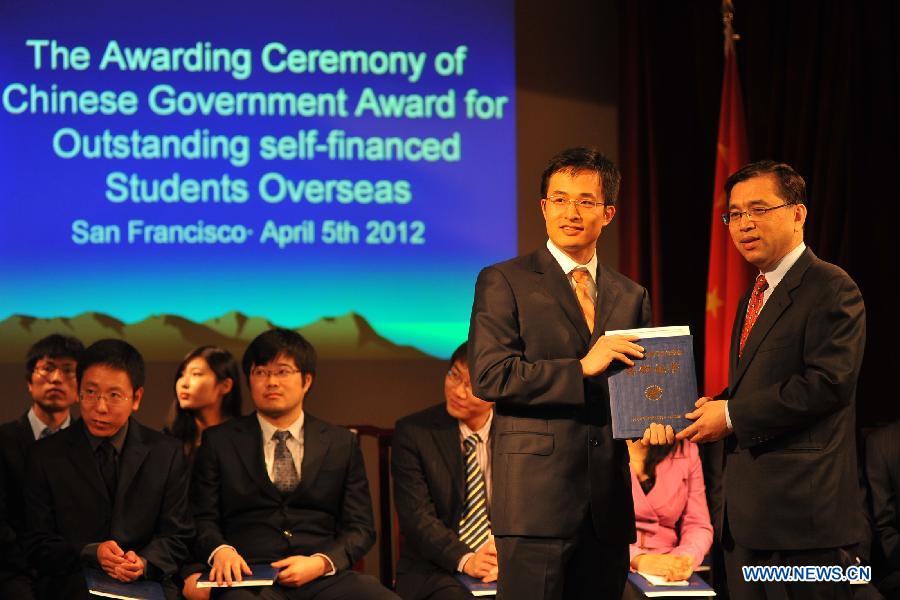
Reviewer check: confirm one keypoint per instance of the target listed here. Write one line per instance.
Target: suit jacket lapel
(133, 454)
(557, 285)
(775, 306)
(607, 295)
(315, 447)
(82, 458)
(446, 437)
(249, 447)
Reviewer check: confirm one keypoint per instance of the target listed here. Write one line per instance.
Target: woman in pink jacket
(673, 528)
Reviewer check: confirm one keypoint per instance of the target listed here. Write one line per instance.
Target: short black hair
(270, 344)
(459, 355)
(54, 345)
(581, 159)
(117, 354)
(791, 186)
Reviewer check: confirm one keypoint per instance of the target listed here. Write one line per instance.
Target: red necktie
(582, 277)
(753, 308)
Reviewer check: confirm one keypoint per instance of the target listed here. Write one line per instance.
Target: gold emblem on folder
(653, 392)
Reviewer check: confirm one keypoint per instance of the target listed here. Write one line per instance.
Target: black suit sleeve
(356, 525)
(833, 342)
(884, 499)
(174, 529)
(205, 502)
(501, 372)
(415, 508)
(46, 550)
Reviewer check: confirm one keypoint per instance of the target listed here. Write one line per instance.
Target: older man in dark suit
(791, 477)
(562, 509)
(441, 464)
(283, 488)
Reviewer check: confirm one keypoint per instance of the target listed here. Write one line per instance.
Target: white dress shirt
(568, 265)
(294, 444)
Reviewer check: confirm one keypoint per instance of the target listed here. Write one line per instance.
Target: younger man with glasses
(107, 492)
(441, 463)
(281, 487)
(537, 347)
(50, 377)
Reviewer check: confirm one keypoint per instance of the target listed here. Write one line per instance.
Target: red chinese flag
(729, 273)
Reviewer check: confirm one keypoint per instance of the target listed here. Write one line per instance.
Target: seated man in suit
(282, 487)
(441, 463)
(50, 376)
(107, 492)
(883, 473)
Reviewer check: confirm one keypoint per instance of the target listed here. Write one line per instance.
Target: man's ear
(136, 401)
(307, 381)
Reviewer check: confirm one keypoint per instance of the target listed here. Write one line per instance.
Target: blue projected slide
(219, 166)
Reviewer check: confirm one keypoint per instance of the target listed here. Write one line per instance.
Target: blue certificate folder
(476, 586)
(101, 584)
(659, 388)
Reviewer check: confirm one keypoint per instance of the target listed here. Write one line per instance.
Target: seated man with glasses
(50, 377)
(441, 464)
(280, 487)
(107, 492)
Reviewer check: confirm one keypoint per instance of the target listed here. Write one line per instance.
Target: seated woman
(207, 392)
(674, 532)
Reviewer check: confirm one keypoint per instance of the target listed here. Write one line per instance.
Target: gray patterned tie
(286, 478)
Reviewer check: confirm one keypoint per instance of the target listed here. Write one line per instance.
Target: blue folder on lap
(102, 585)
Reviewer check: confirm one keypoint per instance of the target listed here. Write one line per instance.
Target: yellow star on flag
(713, 302)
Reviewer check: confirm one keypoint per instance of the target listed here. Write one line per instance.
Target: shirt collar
(484, 432)
(37, 426)
(117, 439)
(568, 264)
(775, 276)
(268, 430)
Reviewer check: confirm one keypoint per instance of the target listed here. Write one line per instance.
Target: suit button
(287, 533)
(594, 442)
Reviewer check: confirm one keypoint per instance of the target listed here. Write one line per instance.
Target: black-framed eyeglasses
(754, 214)
(560, 202)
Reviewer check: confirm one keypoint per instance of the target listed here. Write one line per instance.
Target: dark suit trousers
(438, 585)
(346, 585)
(738, 589)
(582, 568)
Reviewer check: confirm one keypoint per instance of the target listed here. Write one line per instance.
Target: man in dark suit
(883, 474)
(107, 492)
(284, 488)
(435, 479)
(791, 477)
(50, 376)
(562, 510)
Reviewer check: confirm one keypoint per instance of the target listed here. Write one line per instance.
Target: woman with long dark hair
(207, 392)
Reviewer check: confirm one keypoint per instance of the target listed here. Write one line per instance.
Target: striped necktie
(474, 526)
